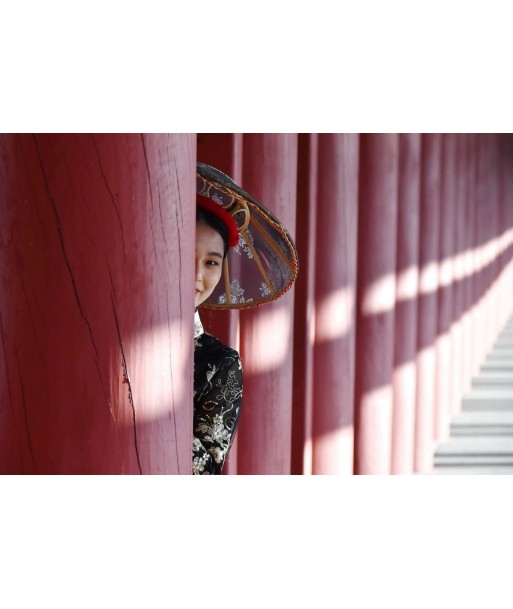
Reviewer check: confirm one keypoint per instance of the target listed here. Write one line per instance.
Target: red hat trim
(223, 215)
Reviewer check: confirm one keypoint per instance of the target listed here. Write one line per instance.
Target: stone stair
(481, 436)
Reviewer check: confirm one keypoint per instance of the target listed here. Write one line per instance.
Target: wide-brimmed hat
(264, 263)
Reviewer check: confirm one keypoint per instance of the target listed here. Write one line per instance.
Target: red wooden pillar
(224, 152)
(335, 287)
(506, 223)
(96, 311)
(493, 256)
(474, 221)
(487, 179)
(508, 217)
(264, 436)
(466, 219)
(483, 230)
(404, 377)
(427, 304)
(377, 216)
(458, 312)
(304, 305)
(496, 240)
(444, 349)
(505, 305)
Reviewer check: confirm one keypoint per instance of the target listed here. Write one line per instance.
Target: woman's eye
(212, 263)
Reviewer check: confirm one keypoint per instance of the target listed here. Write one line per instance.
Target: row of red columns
(406, 275)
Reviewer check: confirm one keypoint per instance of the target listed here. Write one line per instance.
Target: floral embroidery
(264, 288)
(198, 464)
(237, 294)
(230, 391)
(217, 400)
(217, 453)
(243, 246)
(216, 432)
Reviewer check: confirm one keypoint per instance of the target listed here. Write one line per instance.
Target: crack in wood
(151, 199)
(70, 271)
(25, 415)
(126, 379)
(111, 194)
(63, 247)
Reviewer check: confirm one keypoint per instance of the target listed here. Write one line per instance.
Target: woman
(244, 258)
(217, 368)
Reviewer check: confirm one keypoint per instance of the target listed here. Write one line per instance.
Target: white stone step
(481, 436)
(501, 381)
(488, 399)
(478, 423)
(503, 354)
(506, 354)
(473, 470)
(497, 367)
(475, 451)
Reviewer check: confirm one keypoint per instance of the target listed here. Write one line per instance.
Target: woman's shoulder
(211, 347)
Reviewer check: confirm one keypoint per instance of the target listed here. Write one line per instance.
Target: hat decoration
(263, 264)
(225, 216)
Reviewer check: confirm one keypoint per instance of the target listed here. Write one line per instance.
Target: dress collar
(198, 326)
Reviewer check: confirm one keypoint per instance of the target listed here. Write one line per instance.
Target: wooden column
(458, 312)
(466, 217)
(506, 224)
(96, 311)
(446, 253)
(474, 266)
(427, 303)
(483, 220)
(264, 436)
(335, 300)
(377, 216)
(304, 305)
(405, 346)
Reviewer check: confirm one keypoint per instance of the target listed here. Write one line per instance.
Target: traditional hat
(264, 263)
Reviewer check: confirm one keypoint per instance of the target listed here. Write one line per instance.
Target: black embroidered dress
(217, 400)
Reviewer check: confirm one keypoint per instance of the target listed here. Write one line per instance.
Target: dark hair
(207, 217)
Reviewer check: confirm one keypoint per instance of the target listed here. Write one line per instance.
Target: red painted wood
(335, 304)
(465, 223)
(304, 306)
(405, 347)
(427, 301)
(458, 313)
(96, 372)
(474, 277)
(494, 190)
(379, 158)
(264, 436)
(483, 228)
(506, 224)
(446, 256)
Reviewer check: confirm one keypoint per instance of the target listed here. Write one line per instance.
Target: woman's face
(209, 261)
